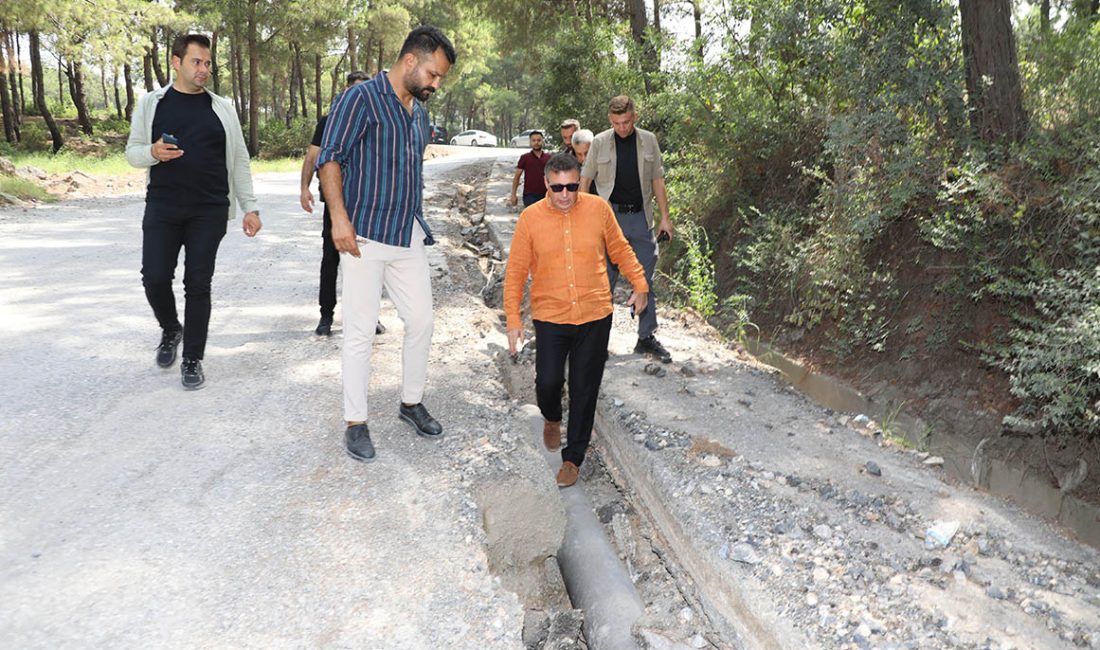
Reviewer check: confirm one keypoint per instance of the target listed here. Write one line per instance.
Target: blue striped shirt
(380, 148)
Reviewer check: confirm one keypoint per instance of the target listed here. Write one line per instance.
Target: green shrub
(277, 140)
(33, 136)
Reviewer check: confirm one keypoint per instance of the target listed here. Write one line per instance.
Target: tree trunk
(1044, 17)
(253, 82)
(317, 99)
(638, 23)
(215, 71)
(656, 15)
(118, 99)
(128, 73)
(992, 71)
(103, 86)
(381, 56)
(353, 49)
(301, 80)
(37, 77)
(154, 56)
(7, 109)
(21, 107)
(61, 82)
(292, 109)
(697, 15)
(80, 98)
(15, 77)
(147, 70)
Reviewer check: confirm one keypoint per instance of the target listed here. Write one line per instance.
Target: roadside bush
(277, 140)
(34, 137)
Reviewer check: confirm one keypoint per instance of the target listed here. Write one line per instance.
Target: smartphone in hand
(663, 237)
(168, 138)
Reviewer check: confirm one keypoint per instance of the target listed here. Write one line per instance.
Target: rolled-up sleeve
(345, 126)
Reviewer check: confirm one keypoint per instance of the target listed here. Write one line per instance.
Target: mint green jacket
(237, 163)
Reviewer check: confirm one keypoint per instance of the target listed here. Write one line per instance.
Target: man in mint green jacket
(191, 142)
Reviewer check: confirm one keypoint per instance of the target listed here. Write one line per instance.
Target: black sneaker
(424, 423)
(191, 374)
(324, 328)
(166, 351)
(651, 347)
(359, 446)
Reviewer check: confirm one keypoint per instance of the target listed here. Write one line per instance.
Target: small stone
(995, 592)
(863, 630)
(655, 369)
(687, 370)
(618, 403)
(744, 553)
(811, 599)
(687, 614)
(861, 420)
(821, 531)
(710, 460)
(698, 641)
(934, 461)
(653, 444)
(724, 552)
(820, 574)
(873, 469)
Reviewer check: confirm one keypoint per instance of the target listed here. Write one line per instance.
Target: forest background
(869, 184)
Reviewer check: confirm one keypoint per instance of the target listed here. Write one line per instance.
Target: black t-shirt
(628, 187)
(197, 180)
(319, 133)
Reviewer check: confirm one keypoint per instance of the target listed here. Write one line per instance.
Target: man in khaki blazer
(625, 164)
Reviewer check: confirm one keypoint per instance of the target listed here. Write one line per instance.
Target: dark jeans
(330, 264)
(585, 347)
(163, 233)
(637, 232)
(532, 197)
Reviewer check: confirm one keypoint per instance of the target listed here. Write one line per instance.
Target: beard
(415, 89)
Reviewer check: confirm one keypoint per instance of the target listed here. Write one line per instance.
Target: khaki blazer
(600, 166)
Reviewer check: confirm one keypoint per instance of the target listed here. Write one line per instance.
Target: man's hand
(165, 152)
(664, 227)
(512, 200)
(252, 224)
(639, 301)
(307, 200)
(343, 235)
(515, 338)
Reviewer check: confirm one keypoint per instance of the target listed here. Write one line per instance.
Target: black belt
(629, 207)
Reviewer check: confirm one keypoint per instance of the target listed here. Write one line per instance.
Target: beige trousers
(404, 274)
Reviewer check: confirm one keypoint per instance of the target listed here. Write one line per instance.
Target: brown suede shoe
(551, 435)
(568, 474)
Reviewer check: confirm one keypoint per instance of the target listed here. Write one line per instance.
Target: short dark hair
(561, 162)
(425, 40)
(179, 46)
(357, 75)
(536, 132)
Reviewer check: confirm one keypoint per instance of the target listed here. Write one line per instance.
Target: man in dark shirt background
(625, 164)
(530, 167)
(191, 142)
(330, 257)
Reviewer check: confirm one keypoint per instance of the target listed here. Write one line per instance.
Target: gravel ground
(139, 515)
(797, 527)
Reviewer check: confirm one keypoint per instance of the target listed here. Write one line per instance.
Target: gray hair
(561, 162)
(583, 136)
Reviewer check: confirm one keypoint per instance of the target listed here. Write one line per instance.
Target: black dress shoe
(359, 446)
(166, 351)
(651, 347)
(424, 423)
(191, 374)
(324, 327)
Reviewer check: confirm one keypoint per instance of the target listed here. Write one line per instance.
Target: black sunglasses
(557, 187)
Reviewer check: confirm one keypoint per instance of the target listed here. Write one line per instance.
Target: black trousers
(163, 233)
(330, 265)
(585, 347)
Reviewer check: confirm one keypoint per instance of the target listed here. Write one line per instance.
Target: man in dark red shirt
(530, 167)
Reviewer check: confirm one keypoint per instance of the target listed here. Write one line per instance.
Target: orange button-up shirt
(565, 253)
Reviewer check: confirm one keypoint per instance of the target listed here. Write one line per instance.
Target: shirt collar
(386, 88)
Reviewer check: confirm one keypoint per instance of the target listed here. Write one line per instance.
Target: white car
(474, 138)
(523, 140)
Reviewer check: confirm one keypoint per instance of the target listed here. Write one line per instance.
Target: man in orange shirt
(563, 242)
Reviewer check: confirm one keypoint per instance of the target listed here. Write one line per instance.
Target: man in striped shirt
(371, 165)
